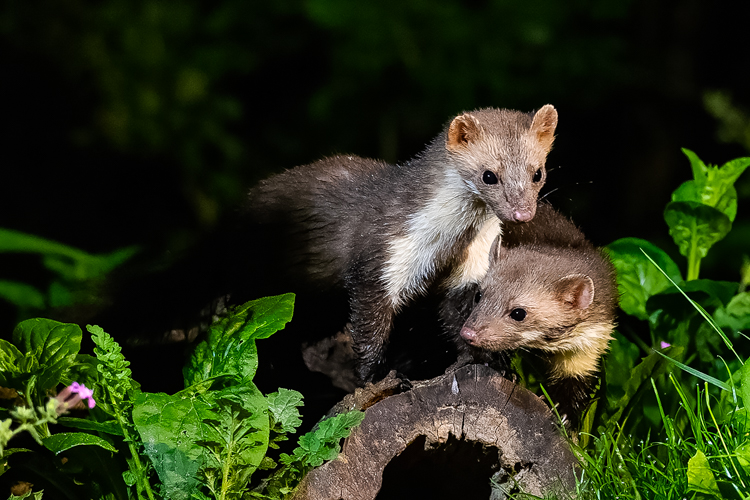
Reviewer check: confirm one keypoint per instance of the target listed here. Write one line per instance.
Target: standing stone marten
(384, 233)
(551, 290)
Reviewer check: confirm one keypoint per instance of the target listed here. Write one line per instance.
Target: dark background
(142, 122)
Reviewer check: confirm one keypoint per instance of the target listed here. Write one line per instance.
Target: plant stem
(694, 260)
(142, 483)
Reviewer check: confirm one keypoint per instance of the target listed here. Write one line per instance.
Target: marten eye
(478, 297)
(537, 175)
(518, 314)
(489, 177)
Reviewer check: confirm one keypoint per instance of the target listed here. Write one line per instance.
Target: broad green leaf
(695, 227)
(238, 432)
(21, 294)
(52, 347)
(742, 452)
(108, 427)
(712, 185)
(699, 475)
(736, 315)
(58, 443)
(283, 406)
(170, 427)
(10, 358)
(745, 384)
(651, 366)
(619, 363)
(229, 349)
(637, 278)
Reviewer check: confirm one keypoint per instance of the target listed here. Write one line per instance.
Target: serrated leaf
(699, 475)
(63, 441)
(283, 407)
(109, 427)
(695, 227)
(637, 278)
(49, 349)
(10, 358)
(169, 427)
(229, 349)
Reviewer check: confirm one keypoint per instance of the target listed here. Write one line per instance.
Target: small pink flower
(664, 345)
(74, 394)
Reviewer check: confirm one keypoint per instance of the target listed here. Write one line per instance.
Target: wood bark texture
(473, 405)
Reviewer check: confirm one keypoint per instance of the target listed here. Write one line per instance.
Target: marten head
(501, 156)
(555, 299)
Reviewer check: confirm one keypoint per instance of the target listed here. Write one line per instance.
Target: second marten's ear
(576, 290)
(543, 125)
(497, 251)
(463, 130)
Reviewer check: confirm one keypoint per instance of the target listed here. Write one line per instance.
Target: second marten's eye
(478, 297)
(489, 177)
(537, 175)
(518, 314)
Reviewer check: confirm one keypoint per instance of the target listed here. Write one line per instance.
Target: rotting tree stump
(445, 438)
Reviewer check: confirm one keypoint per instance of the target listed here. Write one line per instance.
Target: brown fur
(383, 233)
(567, 292)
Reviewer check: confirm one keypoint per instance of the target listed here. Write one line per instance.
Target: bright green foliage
(41, 353)
(703, 209)
(314, 448)
(659, 435)
(233, 337)
(203, 442)
(637, 278)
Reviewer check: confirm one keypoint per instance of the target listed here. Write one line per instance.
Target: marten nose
(468, 335)
(523, 215)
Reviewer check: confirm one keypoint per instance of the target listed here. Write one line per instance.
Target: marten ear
(497, 251)
(543, 126)
(463, 130)
(576, 290)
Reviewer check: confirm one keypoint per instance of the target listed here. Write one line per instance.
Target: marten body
(383, 233)
(550, 290)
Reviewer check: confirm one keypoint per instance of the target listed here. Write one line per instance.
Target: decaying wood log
(445, 438)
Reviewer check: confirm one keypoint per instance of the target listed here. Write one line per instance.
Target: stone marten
(384, 233)
(550, 290)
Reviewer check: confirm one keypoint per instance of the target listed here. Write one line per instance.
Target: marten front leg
(371, 318)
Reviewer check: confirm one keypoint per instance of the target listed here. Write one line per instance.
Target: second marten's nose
(468, 335)
(523, 215)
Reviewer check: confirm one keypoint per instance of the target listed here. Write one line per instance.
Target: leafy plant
(689, 325)
(205, 442)
(70, 266)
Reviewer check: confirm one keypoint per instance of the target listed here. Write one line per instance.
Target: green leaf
(21, 294)
(699, 475)
(49, 349)
(651, 366)
(637, 278)
(108, 427)
(745, 384)
(169, 427)
(712, 185)
(63, 441)
(742, 452)
(283, 407)
(10, 358)
(736, 314)
(695, 227)
(619, 363)
(238, 431)
(229, 349)
(697, 373)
